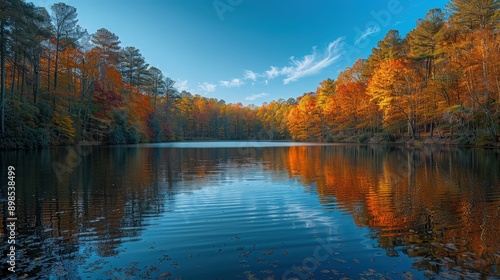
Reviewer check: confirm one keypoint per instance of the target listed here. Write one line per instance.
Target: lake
(254, 210)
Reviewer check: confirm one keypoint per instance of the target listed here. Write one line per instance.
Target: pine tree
(66, 32)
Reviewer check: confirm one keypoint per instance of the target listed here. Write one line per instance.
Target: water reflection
(439, 206)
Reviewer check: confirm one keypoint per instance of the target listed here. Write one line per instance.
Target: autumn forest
(61, 85)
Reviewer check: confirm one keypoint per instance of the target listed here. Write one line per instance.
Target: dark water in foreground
(254, 211)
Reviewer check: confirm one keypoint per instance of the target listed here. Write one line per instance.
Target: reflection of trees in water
(104, 199)
(437, 205)
(88, 211)
(440, 204)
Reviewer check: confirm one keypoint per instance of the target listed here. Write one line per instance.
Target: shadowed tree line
(61, 85)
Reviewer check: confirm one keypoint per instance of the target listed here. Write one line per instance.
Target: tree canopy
(60, 85)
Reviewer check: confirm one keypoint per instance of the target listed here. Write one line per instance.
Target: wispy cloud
(368, 31)
(256, 96)
(181, 85)
(312, 63)
(398, 23)
(272, 73)
(250, 75)
(308, 65)
(232, 83)
(207, 87)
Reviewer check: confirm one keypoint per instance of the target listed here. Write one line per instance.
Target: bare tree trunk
(36, 73)
(49, 58)
(86, 116)
(13, 83)
(56, 66)
(23, 76)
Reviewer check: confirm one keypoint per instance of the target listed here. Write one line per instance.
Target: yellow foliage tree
(396, 87)
(304, 119)
(64, 130)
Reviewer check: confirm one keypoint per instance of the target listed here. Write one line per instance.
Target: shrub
(363, 138)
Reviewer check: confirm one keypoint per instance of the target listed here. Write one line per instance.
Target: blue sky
(250, 51)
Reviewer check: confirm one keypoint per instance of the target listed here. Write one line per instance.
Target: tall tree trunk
(13, 82)
(36, 73)
(411, 130)
(18, 81)
(487, 96)
(86, 116)
(82, 96)
(56, 65)
(23, 75)
(49, 58)
(56, 69)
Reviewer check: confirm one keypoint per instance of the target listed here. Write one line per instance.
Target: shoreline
(408, 142)
(435, 141)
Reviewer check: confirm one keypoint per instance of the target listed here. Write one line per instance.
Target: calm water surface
(255, 211)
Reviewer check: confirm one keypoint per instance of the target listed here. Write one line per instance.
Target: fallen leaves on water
(268, 252)
(164, 275)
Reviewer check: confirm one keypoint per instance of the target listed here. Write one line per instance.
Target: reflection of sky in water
(235, 144)
(145, 211)
(210, 228)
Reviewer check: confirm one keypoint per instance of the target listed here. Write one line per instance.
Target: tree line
(61, 85)
(441, 80)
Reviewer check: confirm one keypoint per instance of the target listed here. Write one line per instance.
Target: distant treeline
(60, 85)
